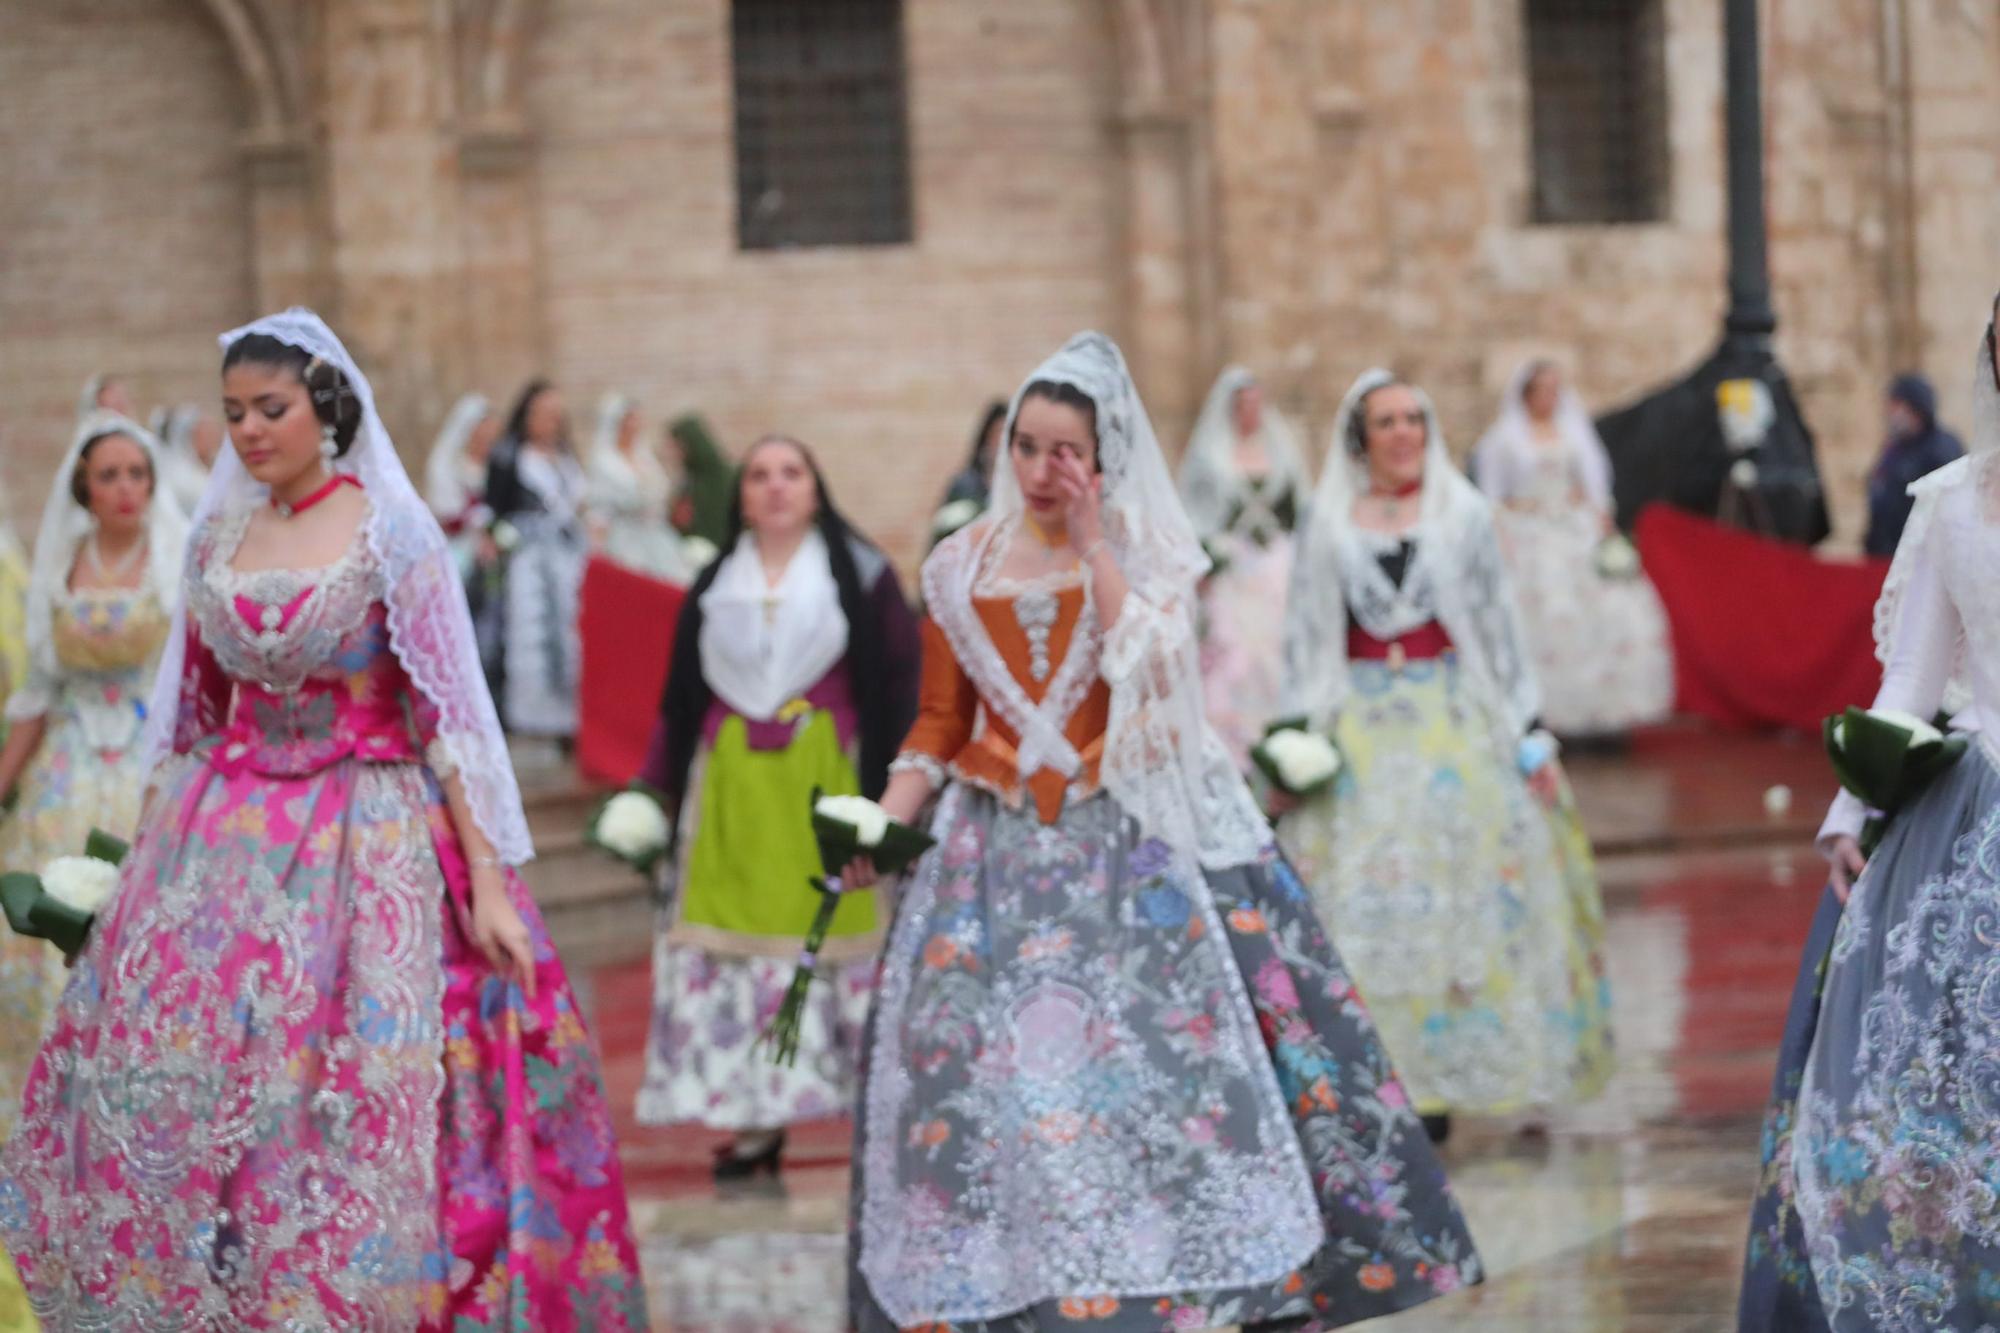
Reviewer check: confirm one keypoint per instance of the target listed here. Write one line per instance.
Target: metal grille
(822, 145)
(1597, 81)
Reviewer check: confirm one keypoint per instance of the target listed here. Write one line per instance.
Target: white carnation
(1778, 801)
(1617, 558)
(505, 535)
(869, 821)
(632, 825)
(699, 551)
(1743, 474)
(954, 516)
(1303, 759)
(80, 882)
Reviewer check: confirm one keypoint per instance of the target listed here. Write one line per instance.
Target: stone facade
(477, 190)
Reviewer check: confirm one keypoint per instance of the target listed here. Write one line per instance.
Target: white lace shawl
(1211, 482)
(1162, 762)
(448, 483)
(430, 630)
(65, 526)
(182, 469)
(763, 646)
(1504, 460)
(1456, 573)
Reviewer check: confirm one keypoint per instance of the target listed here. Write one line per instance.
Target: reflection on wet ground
(1628, 1216)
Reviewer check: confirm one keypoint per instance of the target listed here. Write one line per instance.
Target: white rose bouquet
(952, 516)
(60, 904)
(1617, 558)
(1297, 760)
(845, 827)
(631, 825)
(1885, 757)
(700, 551)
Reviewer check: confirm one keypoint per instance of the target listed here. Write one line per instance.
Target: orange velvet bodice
(957, 730)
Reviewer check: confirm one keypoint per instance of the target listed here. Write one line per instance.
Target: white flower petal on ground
(869, 821)
(632, 825)
(81, 882)
(1303, 760)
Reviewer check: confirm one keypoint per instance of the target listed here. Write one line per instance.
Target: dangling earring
(329, 449)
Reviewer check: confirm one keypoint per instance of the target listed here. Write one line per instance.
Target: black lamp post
(1670, 446)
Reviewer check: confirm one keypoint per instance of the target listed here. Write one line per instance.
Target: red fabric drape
(627, 627)
(1765, 632)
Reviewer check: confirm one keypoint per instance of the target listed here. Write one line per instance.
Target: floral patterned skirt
(1469, 913)
(283, 1090)
(705, 1061)
(1105, 1093)
(1894, 1141)
(1601, 647)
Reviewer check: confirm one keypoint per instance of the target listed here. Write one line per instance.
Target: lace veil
(64, 528)
(1457, 552)
(445, 487)
(1980, 469)
(1505, 454)
(1162, 762)
(1210, 481)
(430, 630)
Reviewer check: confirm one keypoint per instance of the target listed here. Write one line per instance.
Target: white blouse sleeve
(1921, 648)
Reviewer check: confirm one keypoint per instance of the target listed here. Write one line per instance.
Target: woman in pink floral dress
(319, 1066)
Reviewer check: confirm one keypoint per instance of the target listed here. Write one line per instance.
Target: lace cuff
(916, 761)
(1845, 816)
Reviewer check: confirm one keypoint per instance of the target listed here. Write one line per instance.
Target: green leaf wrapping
(32, 913)
(1874, 760)
(839, 844)
(101, 846)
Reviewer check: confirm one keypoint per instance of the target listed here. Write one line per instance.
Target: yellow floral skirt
(1466, 910)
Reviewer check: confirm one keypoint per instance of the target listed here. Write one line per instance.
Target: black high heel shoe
(730, 1166)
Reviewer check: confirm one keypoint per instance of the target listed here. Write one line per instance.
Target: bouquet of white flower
(1617, 558)
(845, 827)
(1885, 757)
(952, 516)
(1297, 760)
(632, 826)
(700, 551)
(60, 904)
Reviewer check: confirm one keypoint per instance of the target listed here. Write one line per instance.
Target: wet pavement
(1628, 1215)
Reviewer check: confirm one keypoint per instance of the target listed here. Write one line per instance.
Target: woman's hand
(1546, 784)
(1278, 803)
(498, 931)
(859, 874)
(1083, 513)
(1844, 865)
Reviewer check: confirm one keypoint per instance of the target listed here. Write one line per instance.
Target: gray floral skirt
(1104, 1089)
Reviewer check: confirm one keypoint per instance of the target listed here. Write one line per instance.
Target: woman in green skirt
(794, 668)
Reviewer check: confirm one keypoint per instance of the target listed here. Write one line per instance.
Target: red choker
(333, 483)
(1404, 491)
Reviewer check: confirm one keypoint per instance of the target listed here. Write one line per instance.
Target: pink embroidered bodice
(290, 671)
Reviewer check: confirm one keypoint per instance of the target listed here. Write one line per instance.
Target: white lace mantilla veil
(1209, 475)
(1454, 537)
(1162, 763)
(1507, 449)
(430, 629)
(611, 410)
(1980, 468)
(444, 488)
(64, 527)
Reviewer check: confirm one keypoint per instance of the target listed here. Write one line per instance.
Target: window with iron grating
(1597, 86)
(822, 141)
